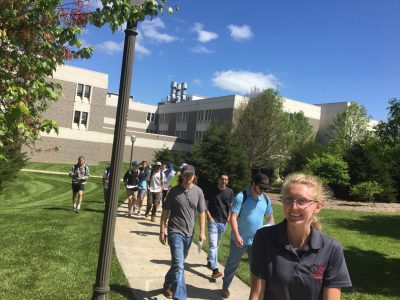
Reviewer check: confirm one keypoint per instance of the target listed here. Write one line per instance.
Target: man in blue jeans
(218, 200)
(179, 209)
(247, 216)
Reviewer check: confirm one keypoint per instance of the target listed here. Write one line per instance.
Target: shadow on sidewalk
(144, 233)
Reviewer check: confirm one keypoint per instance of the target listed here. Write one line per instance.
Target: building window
(83, 93)
(150, 117)
(80, 120)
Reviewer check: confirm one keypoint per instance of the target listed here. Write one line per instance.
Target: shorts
(141, 193)
(131, 193)
(76, 187)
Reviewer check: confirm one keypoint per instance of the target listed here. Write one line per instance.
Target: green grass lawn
(47, 251)
(371, 245)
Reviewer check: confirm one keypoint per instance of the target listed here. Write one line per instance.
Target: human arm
(257, 290)
(269, 220)
(202, 223)
(235, 229)
(163, 226)
(331, 293)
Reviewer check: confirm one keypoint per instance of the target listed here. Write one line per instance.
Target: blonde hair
(315, 185)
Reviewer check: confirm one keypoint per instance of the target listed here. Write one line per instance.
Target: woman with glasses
(293, 259)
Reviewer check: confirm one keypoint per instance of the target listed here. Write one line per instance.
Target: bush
(366, 191)
(332, 170)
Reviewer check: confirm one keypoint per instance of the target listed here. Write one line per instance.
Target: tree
(332, 170)
(269, 133)
(347, 128)
(389, 132)
(35, 37)
(172, 156)
(221, 150)
(370, 160)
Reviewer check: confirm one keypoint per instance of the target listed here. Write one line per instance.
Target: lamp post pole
(102, 287)
(133, 139)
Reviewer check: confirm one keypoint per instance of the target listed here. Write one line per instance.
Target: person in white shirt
(168, 173)
(155, 183)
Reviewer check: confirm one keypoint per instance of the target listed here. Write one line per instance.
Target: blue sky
(316, 51)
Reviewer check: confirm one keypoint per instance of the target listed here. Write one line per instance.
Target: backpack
(245, 198)
(76, 167)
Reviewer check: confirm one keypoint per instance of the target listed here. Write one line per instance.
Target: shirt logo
(318, 272)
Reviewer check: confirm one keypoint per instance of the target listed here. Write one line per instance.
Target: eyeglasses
(302, 203)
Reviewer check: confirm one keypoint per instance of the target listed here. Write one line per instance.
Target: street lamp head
(133, 138)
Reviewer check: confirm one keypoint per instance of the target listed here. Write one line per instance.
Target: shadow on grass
(373, 273)
(123, 290)
(58, 208)
(379, 225)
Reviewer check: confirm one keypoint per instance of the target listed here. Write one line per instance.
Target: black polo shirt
(297, 275)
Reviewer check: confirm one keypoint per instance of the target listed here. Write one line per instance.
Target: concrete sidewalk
(145, 261)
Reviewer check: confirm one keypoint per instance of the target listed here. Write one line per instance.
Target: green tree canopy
(347, 128)
(389, 132)
(221, 150)
(268, 133)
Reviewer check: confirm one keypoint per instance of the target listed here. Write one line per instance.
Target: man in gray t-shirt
(179, 209)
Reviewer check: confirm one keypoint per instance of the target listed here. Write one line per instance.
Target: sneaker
(77, 210)
(73, 209)
(146, 216)
(138, 212)
(167, 292)
(153, 219)
(225, 293)
(216, 274)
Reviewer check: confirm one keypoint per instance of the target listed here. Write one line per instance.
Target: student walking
(80, 174)
(131, 181)
(155, 181)
(179, 209)
(218, 200)
(247, 215)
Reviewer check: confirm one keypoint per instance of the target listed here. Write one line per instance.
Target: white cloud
(244, 81)
(151, 29)
(141, 49)
(197, 82)
(203, 36)
(240, 33)
(111, 47)
(201, 49)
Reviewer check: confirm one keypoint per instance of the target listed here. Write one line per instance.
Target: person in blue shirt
(293, 259)
(143, 172)
(248, 210)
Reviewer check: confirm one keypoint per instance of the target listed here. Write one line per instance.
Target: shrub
(332, 170)
(366, 191)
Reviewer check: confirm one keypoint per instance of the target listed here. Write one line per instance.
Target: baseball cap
(135, 163)
(158, 164)
(182, 165)
(261, 180)
(188, 169)
(170, 166)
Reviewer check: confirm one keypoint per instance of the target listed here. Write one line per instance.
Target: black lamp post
(133, 139)
(102, 287)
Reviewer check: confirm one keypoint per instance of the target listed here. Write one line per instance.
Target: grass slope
(47, 251)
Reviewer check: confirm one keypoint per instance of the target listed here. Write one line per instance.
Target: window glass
(77, 116)
(88, 88)
(79, 92)
(84, 118)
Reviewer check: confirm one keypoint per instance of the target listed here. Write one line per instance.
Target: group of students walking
(290, 260)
